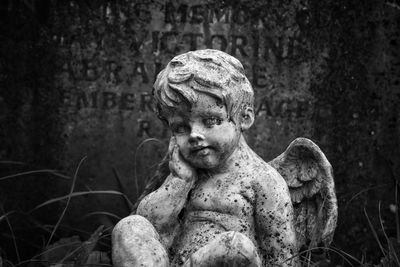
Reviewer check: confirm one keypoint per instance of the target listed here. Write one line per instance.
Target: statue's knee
(135, 242)
(134, 225)
(240, 246)
(239, 242)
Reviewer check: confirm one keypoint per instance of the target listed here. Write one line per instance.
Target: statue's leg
(135, 242)
(227, 249)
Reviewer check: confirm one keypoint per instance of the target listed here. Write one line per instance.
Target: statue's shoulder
(266, 176)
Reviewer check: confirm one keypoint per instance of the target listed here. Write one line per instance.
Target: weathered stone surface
(309, 176)
(219, 202)
(136, 243)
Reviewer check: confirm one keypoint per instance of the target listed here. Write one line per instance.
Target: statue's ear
(246, 118)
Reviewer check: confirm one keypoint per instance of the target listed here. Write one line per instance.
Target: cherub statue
(213, 200)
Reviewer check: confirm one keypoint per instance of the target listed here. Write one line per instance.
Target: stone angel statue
(213, 201)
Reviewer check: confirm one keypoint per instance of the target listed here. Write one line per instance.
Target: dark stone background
(75, 80)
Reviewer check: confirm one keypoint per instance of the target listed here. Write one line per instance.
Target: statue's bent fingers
(137, 243)
(227, 249)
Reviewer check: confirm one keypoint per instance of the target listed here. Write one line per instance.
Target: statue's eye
(209, 122)
(179, 128)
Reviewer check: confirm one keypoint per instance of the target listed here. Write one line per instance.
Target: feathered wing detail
(309, 176)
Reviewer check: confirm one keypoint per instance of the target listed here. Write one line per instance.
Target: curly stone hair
(208, 71)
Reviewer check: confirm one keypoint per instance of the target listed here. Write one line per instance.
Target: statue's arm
(163, 206)
(274, 222)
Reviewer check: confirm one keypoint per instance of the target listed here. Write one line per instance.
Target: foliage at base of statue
(71, 251)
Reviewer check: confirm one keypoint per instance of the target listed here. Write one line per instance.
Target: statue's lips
(201, 151)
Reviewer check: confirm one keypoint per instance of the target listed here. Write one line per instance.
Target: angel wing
(309, 176)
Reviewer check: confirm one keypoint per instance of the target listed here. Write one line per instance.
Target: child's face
(205, 135)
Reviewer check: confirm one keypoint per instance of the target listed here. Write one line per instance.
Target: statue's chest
(224, 195)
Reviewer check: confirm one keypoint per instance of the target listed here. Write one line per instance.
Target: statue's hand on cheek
(178, 165)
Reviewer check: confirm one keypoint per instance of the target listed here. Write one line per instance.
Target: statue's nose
(196, 134)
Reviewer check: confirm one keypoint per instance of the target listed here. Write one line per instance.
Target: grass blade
(135, 161)
(112, 215)
(390, 246)
(122, 188)
(396, 199)
(54, 172)
(4, 216)
(12, 234)
(363, 191)
(68, 200)
(374, 233)
(341, 253)
(76, 194)
(12, 162)
(54, 247)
